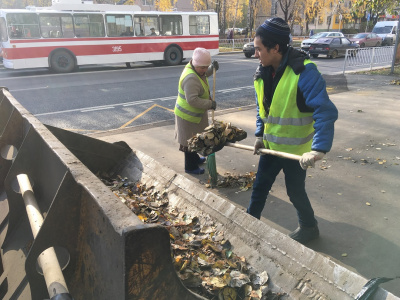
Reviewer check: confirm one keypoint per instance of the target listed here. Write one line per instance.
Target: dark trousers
(192, 160)
(268, 168)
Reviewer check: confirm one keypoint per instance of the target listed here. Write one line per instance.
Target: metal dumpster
(104, 250)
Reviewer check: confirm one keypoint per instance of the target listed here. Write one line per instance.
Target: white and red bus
(63, 39)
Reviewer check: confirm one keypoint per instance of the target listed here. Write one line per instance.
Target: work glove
(215, 65)
(213, 105)
(259, 144)
(308, 159)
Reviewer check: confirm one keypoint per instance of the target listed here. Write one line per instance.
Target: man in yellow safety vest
(294, 115)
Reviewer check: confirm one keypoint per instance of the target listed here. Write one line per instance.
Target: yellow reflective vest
(183, 109)
(286, 128)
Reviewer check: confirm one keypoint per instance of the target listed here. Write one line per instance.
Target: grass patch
(384, 71)
(229, 49)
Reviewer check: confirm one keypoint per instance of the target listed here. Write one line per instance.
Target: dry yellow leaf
(228, 293)
(142, 217)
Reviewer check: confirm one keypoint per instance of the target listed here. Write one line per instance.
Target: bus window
(138, 27)
(3, 30)
(171, 25)
(144, 24)
(67, 26)
(199, 25)
(23, 26)
(89, 25)
(56, 25)
(119, 25)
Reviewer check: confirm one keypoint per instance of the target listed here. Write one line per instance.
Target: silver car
(305, 45)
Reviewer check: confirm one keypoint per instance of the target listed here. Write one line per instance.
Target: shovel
(211, 163)
(265, 151)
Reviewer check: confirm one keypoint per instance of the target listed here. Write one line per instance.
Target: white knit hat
(201, 57)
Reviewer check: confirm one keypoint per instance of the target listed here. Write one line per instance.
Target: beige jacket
(184, 130)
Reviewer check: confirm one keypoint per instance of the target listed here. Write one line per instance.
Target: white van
(387, 31)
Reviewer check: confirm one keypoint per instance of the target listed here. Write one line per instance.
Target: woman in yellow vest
(191, 106)
(294, 115)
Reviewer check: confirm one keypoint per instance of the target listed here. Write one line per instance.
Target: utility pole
(396, 45)
(249, 18)
(224, 16)
(234, 21)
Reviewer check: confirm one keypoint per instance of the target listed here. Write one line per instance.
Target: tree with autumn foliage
(165, 5)
(24, 3)
(375, 8)
(160, 5)
(313, 10)
(255, 8)
(288, 8)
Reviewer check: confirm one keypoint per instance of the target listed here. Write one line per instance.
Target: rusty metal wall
(105, 250)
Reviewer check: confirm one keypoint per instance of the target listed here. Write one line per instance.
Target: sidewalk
(354, 191)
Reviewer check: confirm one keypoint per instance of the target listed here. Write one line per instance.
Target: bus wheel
(173, 56)
(62, 62)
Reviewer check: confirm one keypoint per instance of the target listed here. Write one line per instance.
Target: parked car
(367, 39)
(248, 49)
(332, 47)
(238, 30)
(305, 44)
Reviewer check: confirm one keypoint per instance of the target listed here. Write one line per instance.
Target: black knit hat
(275, 29)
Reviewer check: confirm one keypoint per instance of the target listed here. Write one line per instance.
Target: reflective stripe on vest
(259, 87)
(286, 129)
(183, 109)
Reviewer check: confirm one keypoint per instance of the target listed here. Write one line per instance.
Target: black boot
(305, 234)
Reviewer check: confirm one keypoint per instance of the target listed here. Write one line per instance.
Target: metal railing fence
(233, 44)
(368, 58)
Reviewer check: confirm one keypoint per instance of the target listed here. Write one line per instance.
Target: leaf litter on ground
(203, 259)
(241, 181)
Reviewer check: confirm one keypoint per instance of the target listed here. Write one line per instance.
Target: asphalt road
(102, 98)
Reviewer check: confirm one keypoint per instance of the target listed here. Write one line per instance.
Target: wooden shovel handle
(213, 96)
(265, 151)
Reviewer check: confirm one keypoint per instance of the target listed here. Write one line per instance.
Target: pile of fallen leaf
(243, 182)
(214, 137)
(395, 82)
(203, 258)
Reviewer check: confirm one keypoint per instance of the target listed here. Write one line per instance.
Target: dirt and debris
(214, 138)
(203, 259)
(395, 82)
(241, 181)
(374, 153)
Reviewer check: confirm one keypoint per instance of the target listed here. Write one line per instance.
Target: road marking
(97, 108)
(37, 88)
(136, 67)
(138, 102)
(126, 104)
(143, 113)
